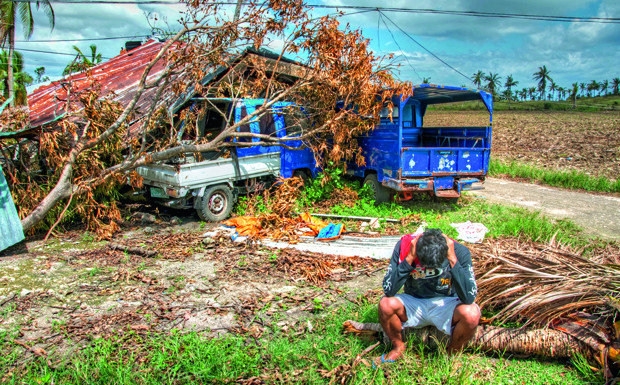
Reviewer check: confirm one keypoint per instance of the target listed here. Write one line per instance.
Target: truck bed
(211, 172)
(432, 161)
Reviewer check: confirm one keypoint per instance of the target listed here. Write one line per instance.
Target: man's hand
(412, 256)
(451, 256)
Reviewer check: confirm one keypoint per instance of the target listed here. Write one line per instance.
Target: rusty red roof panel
(120, 75)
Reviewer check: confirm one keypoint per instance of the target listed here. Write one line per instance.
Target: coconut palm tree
(478, 78)
(573, 94)
(9, 10)
(81, 62)
(542, 75)
(510, 82)
(604, 86)
(615, 84)
(593, 86)
(582, 86)
(532, 91)
(552, 88)
(21, 79)
(492, 82)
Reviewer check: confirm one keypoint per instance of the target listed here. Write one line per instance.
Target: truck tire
(303, 175)
(380, 192)
(216, 204)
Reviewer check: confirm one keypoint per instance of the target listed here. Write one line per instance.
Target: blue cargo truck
(403, 156)
(210, 182)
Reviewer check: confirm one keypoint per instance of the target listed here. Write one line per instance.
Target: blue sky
(573, 52)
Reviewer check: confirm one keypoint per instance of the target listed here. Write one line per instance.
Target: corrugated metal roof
(11, 230)
(120, 75)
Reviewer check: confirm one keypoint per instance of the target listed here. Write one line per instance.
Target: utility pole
(237, 10)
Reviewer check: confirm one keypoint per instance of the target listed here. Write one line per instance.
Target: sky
(446, 48)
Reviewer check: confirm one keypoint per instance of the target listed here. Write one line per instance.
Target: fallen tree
(100, 140)
(529, 342)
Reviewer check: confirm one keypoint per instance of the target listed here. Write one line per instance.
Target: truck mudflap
(444, 186)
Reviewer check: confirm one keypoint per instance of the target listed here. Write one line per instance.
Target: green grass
(500, 220)
(282, 357)
(571, 179)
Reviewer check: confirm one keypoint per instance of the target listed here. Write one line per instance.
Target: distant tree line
(546, 89)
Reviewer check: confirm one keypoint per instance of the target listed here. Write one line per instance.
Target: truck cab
(210, 182)
(403, 156)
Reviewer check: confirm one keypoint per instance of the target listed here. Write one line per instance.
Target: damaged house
(179, 112)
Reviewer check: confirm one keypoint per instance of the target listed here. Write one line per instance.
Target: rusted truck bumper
(443, 186)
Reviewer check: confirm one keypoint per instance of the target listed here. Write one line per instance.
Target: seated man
(440, 290)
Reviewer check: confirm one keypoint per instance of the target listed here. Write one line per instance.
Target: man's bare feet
(390, 357)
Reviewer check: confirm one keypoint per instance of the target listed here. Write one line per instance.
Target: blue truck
(210, 182)
(403, 156)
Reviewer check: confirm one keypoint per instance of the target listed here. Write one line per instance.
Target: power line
(52, 52)
(84, 39)
(536, 17)
(426, 49)
(398, 45)
(570, 19)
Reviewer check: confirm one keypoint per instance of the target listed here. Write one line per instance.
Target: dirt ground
(596, 214)
(64, 294)
(585, 141)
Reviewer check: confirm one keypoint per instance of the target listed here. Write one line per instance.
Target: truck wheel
(216, 204)
(381, 193)
(303, 175)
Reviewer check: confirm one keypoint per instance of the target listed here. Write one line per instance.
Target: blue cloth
(329, 231)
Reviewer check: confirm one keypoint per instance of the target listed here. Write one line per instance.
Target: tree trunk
(537, 342)
(10, 76)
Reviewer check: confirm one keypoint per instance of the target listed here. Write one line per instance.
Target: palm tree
(615, 84)
(552, 88)
(478, 78)
(582, 86)
(531, 91)
(543, 77)
(21, 79)
(8, 12)
(573, 94)
(81, 62)
(492, 82)
(561, 93)
(604, 86)
(510, 82)
(593, 86)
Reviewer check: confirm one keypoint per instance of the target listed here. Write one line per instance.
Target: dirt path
(597, 214)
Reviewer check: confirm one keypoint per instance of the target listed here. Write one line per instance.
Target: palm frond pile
(533, 283)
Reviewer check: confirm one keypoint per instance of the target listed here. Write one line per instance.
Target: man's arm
(397, 273)
(463, 278)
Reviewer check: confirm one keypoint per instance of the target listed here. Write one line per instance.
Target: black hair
(431, 248)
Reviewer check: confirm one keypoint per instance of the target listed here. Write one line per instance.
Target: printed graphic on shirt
(474, 288)
(425, 273)
(387, 285)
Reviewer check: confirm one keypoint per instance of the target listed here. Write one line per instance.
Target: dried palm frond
(535, 283)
